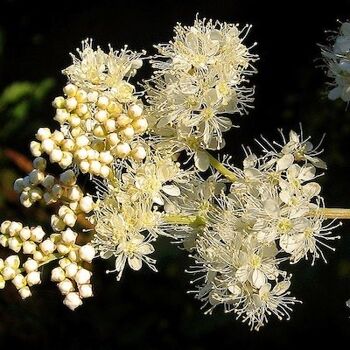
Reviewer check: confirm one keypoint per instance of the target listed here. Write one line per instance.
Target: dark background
(147, 310)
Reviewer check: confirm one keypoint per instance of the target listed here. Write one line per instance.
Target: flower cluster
(199, 78)
(239, 224)
(270, 214)
(337, 59)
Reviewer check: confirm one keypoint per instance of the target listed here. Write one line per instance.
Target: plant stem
(190, 220)
(197, 220)
(331, 213)
(230, 175)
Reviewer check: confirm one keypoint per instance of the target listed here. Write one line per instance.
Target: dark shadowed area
(153, 311)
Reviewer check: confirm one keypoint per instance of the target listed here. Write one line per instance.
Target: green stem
(230, 175)
(191, 220)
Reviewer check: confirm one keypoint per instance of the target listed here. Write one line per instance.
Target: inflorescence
(146, 155)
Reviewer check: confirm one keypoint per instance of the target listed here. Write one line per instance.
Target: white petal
(201, 161)
(281, 287)
(311, 189)
(307, 172)
(135, 262)
(157, 198)
(258, 278)
(285, 162)
(171, 190)
(271, 207)
(106, 254)
(145, 249)
(242, 273)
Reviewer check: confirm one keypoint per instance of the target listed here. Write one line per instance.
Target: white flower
(337, 61)
(100, 71)
(134, 251)
(200, 78)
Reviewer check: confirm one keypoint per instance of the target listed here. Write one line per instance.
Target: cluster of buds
(10, 270)
(30, 241)
(37, 185)
(95, 130)
(72, 279)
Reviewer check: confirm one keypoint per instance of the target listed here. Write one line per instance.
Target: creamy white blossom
(337, 60)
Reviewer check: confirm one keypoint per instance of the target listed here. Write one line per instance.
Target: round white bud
(33, 278)
(25, 292)
(95, 167)
(81, 95)
(69, 236)
(47, 246)
(135, 111)
(86, 204)
(101, 116)
(14, 244)
(102, 102)
(71, 270)
(105, 171)
(43, 134)
(29, 247)
(66, 160)
(65, 286)
(83, 276)
(12, 261)
(72, 301)
(71, 103)
(4, 226)
(61, 115)
(123, 120)
(85, 290)
(38, 256)
(48, 146)
(57, 274)
(19, 281)
(113, 139)
(74, 120)
(56, 155)
(70, 219)
(127, 132)
(30, 265)
(110, 125)
(37, 234)
(70, 90)
(84, 166)
(122, 150)
(57, 136)
(140, 125)
(82, 141)
(8, 273)
(92, 96)
(81, 154)
(58, 102)
(82, 109)
(87, 252)
(35, 148)
(25, 200)
(14, 228)
(25, 233)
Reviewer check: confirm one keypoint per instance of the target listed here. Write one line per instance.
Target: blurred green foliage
(17, 101)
